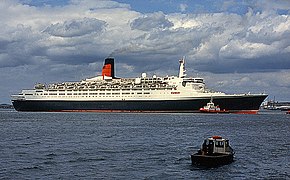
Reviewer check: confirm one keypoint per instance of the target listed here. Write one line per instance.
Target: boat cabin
(215, 144)
(211, 106)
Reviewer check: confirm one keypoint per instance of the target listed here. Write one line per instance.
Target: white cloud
(102, 27)
(245, 50)
(74, 27)
(151, 22)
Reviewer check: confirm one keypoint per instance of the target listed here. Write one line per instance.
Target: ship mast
(182, 68)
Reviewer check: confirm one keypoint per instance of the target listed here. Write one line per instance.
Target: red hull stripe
(134, 111)
(247, 112)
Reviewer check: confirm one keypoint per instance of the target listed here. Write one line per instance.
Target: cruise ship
(107, 93)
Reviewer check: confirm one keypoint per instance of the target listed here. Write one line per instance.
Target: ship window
(139, 93)
(61, 93)
(219, 144)
(227, 143)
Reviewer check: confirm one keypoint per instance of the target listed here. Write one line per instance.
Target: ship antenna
(182, 68)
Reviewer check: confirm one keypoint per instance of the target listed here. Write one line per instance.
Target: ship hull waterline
(233, 104)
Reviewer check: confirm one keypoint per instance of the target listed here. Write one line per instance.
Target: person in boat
(210, 147)
(204, 148)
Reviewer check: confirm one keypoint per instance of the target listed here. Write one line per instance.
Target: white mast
(182, 68)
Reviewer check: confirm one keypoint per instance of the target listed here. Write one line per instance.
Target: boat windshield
(219, 144)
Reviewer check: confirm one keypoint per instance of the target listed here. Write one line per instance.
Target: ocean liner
(106, 93)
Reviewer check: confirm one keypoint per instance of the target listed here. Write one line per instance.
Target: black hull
(230, 103)
(212, 160)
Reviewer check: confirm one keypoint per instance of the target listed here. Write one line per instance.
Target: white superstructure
(108, 88)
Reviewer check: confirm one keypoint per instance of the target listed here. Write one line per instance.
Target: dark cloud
(261, 64)
(20, 46)
(76, 27)
(151, 21)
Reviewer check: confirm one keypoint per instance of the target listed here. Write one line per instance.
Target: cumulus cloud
(151, 21)
(232, 43)
(75, 27)
(216, 42)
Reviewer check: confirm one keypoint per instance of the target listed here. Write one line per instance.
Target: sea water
(139, 146)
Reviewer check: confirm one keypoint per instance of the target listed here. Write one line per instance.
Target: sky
(236, 46)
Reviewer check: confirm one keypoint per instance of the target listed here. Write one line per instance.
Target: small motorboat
(211, 108)
(215, 151)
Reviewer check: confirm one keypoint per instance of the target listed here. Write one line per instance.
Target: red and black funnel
(109, 68)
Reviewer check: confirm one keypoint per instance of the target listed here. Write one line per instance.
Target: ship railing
(17, 97)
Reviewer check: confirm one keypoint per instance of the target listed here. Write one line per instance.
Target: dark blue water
(139, 146)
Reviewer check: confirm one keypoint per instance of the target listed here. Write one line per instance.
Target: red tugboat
(211, 108)
(288, 112)
(215, 151)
